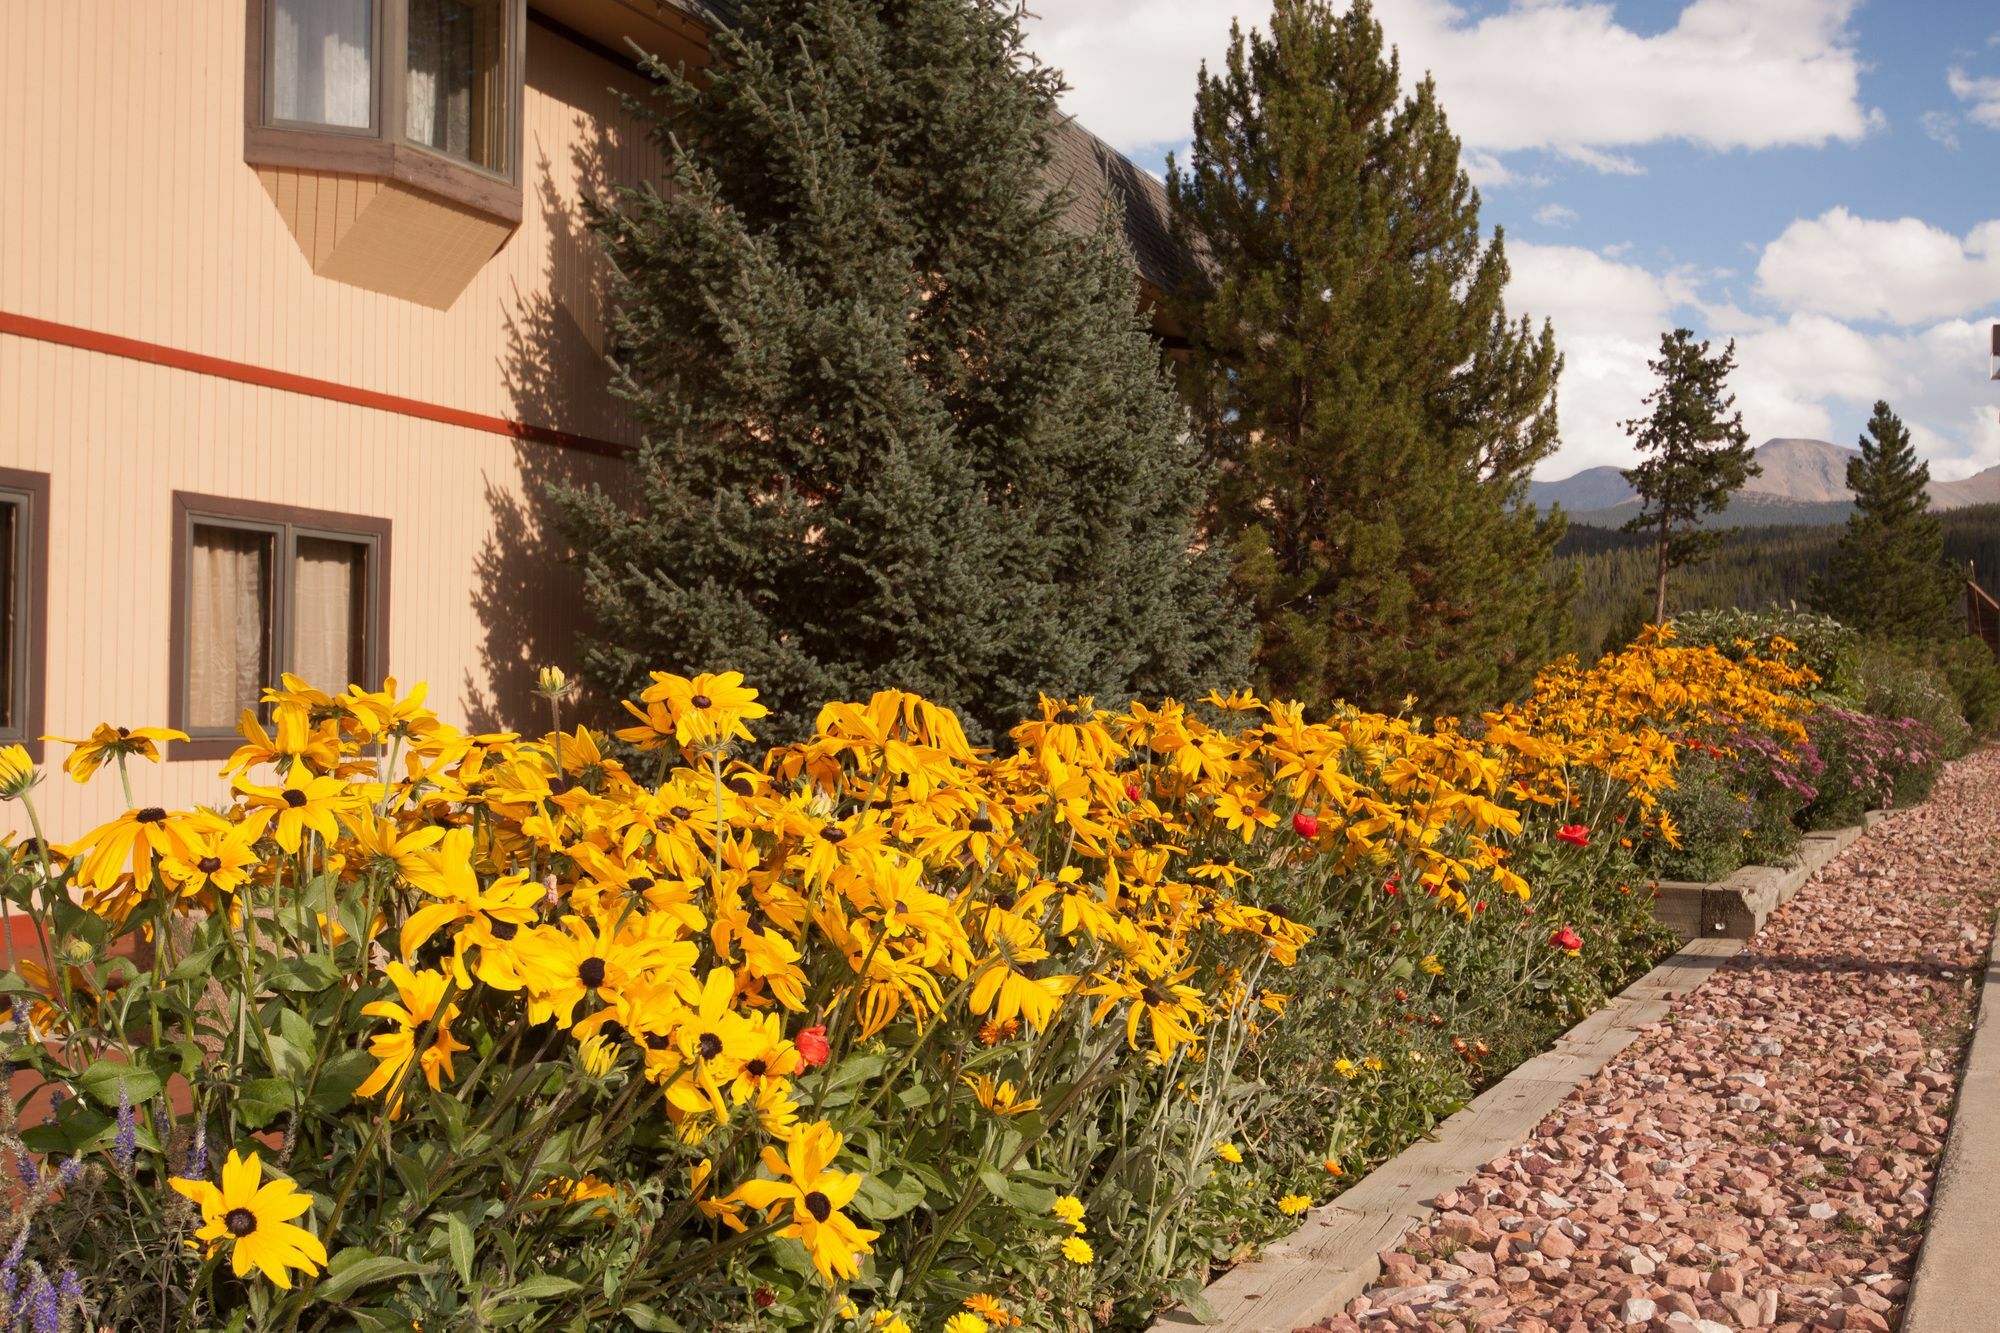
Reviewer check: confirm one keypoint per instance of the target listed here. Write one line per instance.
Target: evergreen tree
(1372, 411)
(1697, 455)
(903, 427)
(1888, 575)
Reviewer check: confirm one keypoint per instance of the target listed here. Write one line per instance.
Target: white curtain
(437, 98)
(229, 601)
(328, 579)
(320, 62)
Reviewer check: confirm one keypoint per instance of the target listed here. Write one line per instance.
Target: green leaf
(649, 1320)
(312, 972)
(888, 1195)
(262, 1100)
(197, 965)
(459, 1237)
(338, 1078)
(354, 1268)
(1031, 1199)
(100, 1082)
(540, 1288)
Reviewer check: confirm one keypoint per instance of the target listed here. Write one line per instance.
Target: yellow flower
(1294, 1204)
(421, 993)
(712, 707)
(1070, 1209)
(1230, 1153)
(305, 802)
(107, 742)
(1432, 965)
(255, 1222)
(18, 774)
(999, 1098)
(990, 1309)
(596, 1055)
(965, 1322)
(1077, 1250)
(551, 683)
(1345, 1068)
(815, 1197)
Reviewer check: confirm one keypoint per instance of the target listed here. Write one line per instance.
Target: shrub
(1824, 646)
(1973, 673)
(1895, 684)
(1870, 763)
(538, 1032)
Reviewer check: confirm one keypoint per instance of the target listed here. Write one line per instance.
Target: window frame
(383, 151)
(29, 490)
(286, 523)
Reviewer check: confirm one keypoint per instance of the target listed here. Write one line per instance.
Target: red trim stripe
(133, 349)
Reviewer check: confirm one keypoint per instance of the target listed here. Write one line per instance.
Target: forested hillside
(1755, 567)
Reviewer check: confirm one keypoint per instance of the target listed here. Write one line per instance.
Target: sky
(1818, 180)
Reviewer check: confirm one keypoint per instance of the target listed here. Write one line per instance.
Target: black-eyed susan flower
(255, 1221)
(306, 801)
(215, 857)
(107, 743)
(710, 708)
(814, 1196)
(133, 839)
(419, 995)
(1001, 1098)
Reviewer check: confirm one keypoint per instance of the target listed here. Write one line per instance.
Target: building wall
(128, 211)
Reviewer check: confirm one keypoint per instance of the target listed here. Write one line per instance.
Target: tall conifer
(1373, 411)
(1888, 576)
(903, 427)
(1696, 455)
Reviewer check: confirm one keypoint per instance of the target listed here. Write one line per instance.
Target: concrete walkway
(1763, 1158)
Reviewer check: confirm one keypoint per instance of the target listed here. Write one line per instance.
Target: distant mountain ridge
(1804, 481)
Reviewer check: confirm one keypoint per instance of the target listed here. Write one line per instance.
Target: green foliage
(1973, 673)
(1717, 825)
(1892, 682)
(903, 426)
(1696, 454)
(1373, 411)
(1755, 567)
(1825, 646)
(1888, 576)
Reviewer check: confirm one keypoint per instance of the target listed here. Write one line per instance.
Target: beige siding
(127, 209)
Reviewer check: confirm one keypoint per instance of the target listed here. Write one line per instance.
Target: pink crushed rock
(1763, 1157)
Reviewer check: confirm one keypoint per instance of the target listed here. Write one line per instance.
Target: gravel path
(1763, 1158)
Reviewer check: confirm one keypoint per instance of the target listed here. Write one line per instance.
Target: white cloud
(1942, 127)
(1556, 215)
(1807, 374)
(1983, 96)
(1558, 75)
(1905, 270)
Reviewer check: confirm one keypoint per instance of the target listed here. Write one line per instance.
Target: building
(297, 317)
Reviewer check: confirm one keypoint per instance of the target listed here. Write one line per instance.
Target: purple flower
(198, 1160)
(10, 1274)
(44, 1308)
(125, 1146)
(24, 1166)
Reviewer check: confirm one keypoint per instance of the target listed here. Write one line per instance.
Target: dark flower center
(1069, 717)
(833, 833)
(740, 785)
(757, 1068)
(709, 1046)
(658, 1041)
(980, 823)
(505, 930)
(640, 883)
(819, 1206)
(702, 701)
(240, 1221)
(124, 733)
(208, 865)
(591, 972)
(1004, 901)
(680, 812)
(614, 1031)
(294, 797)
(152, 814)
(1151, 995)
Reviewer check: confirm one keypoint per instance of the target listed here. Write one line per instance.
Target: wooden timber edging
(1736, 908)
(1313, 1273)
(1953, 1290)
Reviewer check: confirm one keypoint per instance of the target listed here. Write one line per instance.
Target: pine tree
(1697, 455)
(1372, 411)
(903, 427)
(1888, 576)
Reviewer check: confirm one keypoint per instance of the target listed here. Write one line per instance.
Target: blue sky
(1819, 179)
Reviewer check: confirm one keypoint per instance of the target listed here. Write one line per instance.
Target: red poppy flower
(1132, 792)
(1306, 824)
(1577, 835)
(1567, 939)
(812, 1045)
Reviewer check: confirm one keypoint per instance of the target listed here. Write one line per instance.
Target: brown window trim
(362, 153)
(35, 615)
(189, 507)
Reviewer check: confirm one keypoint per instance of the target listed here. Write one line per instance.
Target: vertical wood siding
(127, 209)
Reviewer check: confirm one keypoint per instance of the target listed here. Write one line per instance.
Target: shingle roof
(1085, 166)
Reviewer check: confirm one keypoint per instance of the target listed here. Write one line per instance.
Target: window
(24, 565)
(360, 86)
(261, 590)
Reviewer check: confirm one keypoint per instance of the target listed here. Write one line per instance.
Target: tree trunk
(1660, 590)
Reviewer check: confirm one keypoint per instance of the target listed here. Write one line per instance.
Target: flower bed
(872, 1031)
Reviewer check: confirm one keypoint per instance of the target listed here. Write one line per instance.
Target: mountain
(1803, 482)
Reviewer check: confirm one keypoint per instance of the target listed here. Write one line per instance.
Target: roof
(1085, 166)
